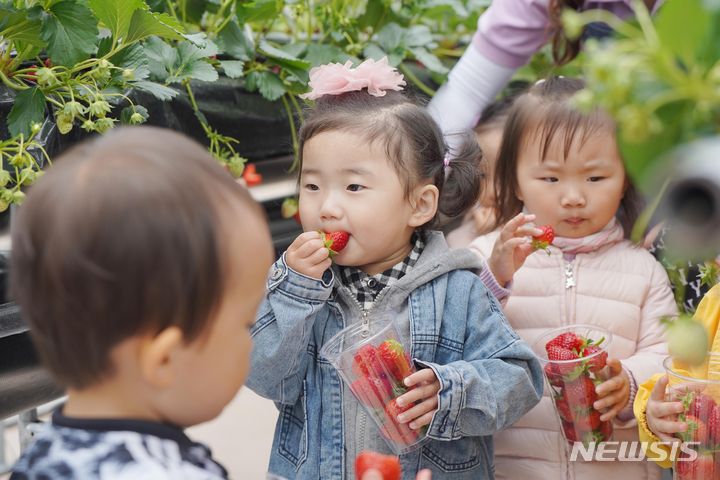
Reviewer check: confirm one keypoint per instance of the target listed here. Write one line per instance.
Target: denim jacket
(488, 376)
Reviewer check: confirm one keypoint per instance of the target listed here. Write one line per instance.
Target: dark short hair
(122, 236)
(412, 140)
(494, 115)
(542, 113)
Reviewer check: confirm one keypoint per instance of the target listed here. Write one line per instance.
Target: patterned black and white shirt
(365, 288)
(114, 449)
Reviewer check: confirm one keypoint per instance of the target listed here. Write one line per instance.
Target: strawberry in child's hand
(696, 430)
(393, 429)
(599, 361)
(387, 465)
(587, 419)
(251, 176)
(392, 355)
(701, 468)
(580, 393)
(713, 425)
(366, 363)
(556, 354)
(335, 241)
(568, 340)
(290, 209)
(544, 240)
(701, 405)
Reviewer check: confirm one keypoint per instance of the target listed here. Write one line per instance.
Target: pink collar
(611, 233)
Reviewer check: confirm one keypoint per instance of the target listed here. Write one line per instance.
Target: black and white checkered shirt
(366, 287)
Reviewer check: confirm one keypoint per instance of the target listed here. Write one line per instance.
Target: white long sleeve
(472, 84)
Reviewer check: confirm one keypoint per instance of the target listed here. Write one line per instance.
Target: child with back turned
(561, 167)
(374, 165)
(139, 264)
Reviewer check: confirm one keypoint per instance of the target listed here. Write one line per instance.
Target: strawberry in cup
(574, 358)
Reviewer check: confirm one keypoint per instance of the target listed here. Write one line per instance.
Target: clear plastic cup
(373, 360)
(698, 388)
(571, 384)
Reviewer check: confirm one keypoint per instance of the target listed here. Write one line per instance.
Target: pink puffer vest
(619, 287)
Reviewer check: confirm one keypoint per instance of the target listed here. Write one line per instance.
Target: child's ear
(424, 202)
(158, 357)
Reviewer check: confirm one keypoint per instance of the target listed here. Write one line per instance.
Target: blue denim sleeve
(282, 331)
(497, 382)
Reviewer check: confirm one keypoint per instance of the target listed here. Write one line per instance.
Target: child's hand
(307, 255)
(660, 414)
(613, 393)
(425, 392)
(512, 247)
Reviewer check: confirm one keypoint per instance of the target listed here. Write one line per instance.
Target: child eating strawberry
(374, 165)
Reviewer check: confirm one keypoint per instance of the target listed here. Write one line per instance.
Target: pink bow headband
(336, 78)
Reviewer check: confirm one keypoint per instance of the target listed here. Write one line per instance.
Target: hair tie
(446, 160)
(336, 79)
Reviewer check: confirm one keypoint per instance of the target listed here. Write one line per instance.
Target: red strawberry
(289, 208)
(569, 430)
(563, 409)
(544, 240)
(557, 353)
(365, 361)
(387, 465)
(251, 176)
(599, 361)
(568, 340)
(588, 420)
(701, 406)
(393, 429)
(696, 430)
(335, 241)
(369, 392)
(702, 468)
(554, 376)
(392, 355)
(580, 393)
(713, 426)
(605, 431)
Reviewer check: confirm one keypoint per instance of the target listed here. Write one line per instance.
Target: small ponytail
(463, 178)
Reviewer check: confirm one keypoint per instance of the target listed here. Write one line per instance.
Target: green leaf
(191, 63)
(28, 108)
(132, 57)
(269, 85)
(293, 65)
(232, 68)
(373, 51)
(429, 60)
(205, 46)
(70, 32)
(390, 37)
(233, 40)
(418, 36)
(258, 10)
(145, 24)
(161, 92)
(321, 53)
(672, 23)
(162, 58)
(116, 14)
(25, 29)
